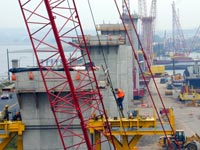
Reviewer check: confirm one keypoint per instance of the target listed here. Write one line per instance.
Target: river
(15, 52)
(25, 56)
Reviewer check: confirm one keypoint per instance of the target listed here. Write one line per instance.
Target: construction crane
(75, 101)
(195, 41)
(72, 102)
(148, 66)
(177, 46)
(148, 27)
(179, 43)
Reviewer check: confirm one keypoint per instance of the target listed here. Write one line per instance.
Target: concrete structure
(41, 131)
(15, 63)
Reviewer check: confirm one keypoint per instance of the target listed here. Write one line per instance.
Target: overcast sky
(105, 11)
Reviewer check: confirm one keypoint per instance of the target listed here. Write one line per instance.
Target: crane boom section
(57, 36)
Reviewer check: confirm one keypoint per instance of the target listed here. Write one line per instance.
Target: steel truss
(56, 35)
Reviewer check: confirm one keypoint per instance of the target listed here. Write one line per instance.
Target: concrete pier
(41, 131)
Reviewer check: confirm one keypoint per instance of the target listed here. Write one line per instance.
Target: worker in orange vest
(120, 98)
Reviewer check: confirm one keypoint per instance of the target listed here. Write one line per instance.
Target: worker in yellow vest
(120, 97)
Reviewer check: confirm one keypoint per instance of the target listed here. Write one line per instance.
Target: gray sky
(105, 10)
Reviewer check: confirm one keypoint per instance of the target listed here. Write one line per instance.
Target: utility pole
(8, 65)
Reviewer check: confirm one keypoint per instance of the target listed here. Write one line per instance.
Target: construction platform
(9, 130)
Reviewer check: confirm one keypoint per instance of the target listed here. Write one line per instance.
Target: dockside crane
(195, 41)
(72, 102)
(179, 43)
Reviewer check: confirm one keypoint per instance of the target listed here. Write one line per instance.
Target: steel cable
(145, 57)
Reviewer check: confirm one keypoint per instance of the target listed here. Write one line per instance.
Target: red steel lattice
(55, 30)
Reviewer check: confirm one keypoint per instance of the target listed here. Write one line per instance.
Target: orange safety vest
(120, 93)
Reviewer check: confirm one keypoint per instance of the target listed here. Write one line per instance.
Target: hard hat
(6, 106)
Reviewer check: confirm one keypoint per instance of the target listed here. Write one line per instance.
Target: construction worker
(6, 113)
(17, 116)
(120, 98)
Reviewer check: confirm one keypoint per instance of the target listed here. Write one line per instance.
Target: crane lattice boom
(55, 31)
(179, 43)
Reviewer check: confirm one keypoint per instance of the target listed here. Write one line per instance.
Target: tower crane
(72, 102)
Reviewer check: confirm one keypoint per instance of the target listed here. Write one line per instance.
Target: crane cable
(141, 68)
(153, 81)
(106, 72)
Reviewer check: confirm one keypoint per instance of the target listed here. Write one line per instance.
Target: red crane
(148, 66)
(73, 102)
(179, 43)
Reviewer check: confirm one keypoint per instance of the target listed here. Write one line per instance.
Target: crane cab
(180, 136)
(179, 140)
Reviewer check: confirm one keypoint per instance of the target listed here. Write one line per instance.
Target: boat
(175, 58)
(162, 60)
(179, 57)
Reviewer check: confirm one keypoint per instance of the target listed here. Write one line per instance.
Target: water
(194, 55)
(14, 52)
(25, 55)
